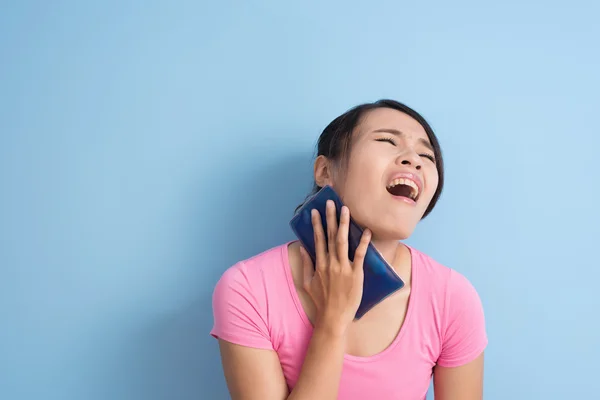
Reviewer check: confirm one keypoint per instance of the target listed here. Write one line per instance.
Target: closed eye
(391, 141)
(386, 139)
(432, 158)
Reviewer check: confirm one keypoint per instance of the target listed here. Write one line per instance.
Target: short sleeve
(237, 311)
(464, 333)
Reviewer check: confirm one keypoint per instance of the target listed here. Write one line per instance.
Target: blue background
(143, 144)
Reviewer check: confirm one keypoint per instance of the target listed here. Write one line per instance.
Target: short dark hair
(336, 140)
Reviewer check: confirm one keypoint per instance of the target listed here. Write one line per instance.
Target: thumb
(308, 269)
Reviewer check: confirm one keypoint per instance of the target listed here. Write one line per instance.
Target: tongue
(400, 190)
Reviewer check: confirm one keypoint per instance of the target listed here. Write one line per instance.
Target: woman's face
(390, 177)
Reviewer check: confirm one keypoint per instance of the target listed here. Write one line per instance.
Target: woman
(286, 328)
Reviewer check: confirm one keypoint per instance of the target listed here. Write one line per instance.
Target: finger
(361, 250)
(319, 237)
(308, 269)
(332, 228)
(342, 235)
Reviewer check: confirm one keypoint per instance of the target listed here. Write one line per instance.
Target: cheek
(357, 176)
(432, 181)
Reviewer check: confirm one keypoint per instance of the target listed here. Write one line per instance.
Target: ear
(323, 171)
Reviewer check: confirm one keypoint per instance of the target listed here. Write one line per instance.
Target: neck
(397, 255)
(387, 248)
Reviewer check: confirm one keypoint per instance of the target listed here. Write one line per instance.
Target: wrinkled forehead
(387, 118)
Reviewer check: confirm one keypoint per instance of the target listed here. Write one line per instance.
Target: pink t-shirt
(255, 304)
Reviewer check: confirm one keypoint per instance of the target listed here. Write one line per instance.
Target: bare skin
(331, 294)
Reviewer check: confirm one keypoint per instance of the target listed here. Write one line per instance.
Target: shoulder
(241, 308)
(255, 271)
(446, 282)
(462, 322)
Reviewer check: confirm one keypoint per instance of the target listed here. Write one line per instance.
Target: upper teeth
(402, 181)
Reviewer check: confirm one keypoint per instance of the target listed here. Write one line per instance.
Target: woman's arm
(459, 383)
(251, 373)
(255, 374)
(458, 374)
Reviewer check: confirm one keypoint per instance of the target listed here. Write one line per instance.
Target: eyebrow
(396, 132)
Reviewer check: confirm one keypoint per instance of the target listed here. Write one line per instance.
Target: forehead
(387, 118)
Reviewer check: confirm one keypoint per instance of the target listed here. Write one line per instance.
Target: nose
(410, 158)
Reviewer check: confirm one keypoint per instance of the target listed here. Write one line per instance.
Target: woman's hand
(336, 284)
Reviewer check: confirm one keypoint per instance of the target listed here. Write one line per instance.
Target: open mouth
(404, 188)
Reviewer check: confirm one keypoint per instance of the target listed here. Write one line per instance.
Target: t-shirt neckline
(409, 311)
